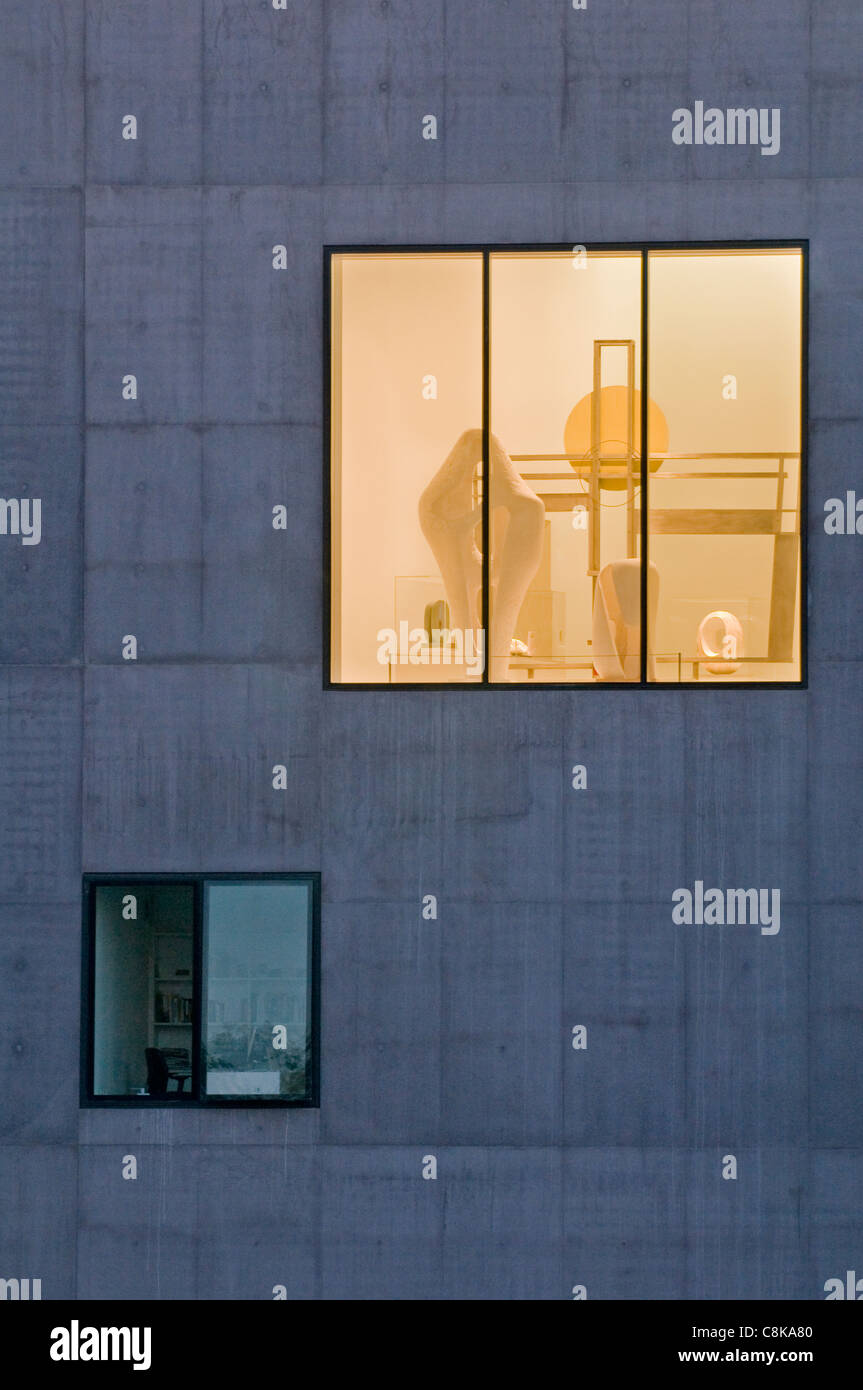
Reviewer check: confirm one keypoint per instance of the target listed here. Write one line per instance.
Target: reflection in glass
(257, 1010)
(724, 509)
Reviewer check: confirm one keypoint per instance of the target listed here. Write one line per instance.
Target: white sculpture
(617, 621)
(449, 519)
(720, 634)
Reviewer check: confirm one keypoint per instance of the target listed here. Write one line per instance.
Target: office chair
(158, 1074)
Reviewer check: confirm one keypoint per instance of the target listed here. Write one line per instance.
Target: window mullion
(197, 992)
(645, 466)
(486, 479)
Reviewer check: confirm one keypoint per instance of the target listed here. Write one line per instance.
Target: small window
(201, 990)
(494, 515)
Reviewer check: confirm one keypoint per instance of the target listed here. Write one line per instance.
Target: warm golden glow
(564, 467)
(724, 532)
(617, 424)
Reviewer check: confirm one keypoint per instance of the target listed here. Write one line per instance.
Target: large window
(493, 518)
(201, 990)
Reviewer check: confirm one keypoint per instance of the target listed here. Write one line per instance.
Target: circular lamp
(614, 402)
(720, 635)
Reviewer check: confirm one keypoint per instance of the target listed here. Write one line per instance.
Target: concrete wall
(555, 1167)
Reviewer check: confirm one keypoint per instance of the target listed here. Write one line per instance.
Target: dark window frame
(195, 1100)
(487, 250)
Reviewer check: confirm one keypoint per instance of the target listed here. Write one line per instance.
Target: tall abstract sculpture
(449, 516)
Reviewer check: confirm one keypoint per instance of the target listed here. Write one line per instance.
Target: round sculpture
(614, 404)
(720, 635)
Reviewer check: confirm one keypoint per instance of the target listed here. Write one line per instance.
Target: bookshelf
(170, 994)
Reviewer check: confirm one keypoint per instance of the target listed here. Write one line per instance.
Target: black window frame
(195, 1100)
(487, 250)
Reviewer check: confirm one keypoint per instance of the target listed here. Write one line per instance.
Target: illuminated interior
(561, 382)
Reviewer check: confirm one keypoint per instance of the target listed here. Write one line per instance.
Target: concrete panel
(38, 1216)
(836, 1215)
(383, 72)
(837, 126)
(674, 209)
(745, 769)
(144, 565)
(626, 40)
(425, 795)
(138, 1238)
(143, 305)
(599, 210)
(503, 788)
(40, 747)
(836, 605)
(381, 1223)
(732, 211)
(163, 742)
(744, 1033)
(835, 328)
(40, 957)
(452, 215)
(42, 583)
(619, 128)
(624, 980)
(760, 91)
(505, 116)
(42, 93)
(258, 1216)
(262, 327)
(263, 78)
(198, 1127)
(622, 833)
(40, 307)
(251, 720)
(746, 1236)
(835, 800)
(502, 1045)
(836, 37)
(624, 1223)
(502, 1238)
(181, 546)
(745, 39)
(145, 61)
(262, 590)
(835, 264)
(371, 214)
(533, 212)
(836, 1022)
(381, 1043)
(382, 818)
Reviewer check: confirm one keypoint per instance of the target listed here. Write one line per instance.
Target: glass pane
(143, 990)
(406, 422)
(565, 343)
(257, 1002)
(724, 527)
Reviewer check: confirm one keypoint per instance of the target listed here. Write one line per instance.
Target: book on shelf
(172, 1008)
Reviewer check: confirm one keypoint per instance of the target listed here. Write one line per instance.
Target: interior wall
(122, 996)
(712, 317)
(402, 319)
